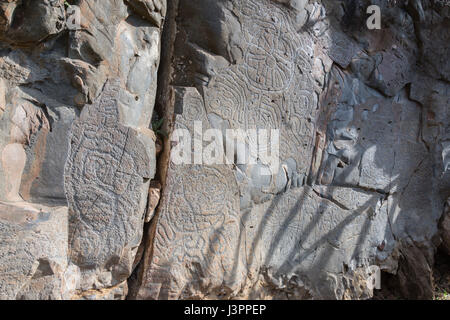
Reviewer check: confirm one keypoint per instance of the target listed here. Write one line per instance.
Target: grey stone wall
(362, 184)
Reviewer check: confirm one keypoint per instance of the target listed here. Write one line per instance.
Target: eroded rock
(52, 73)
(363, 172)
(350, 128)
(33, 252)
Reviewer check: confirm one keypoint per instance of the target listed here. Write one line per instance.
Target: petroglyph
(106, 178)
(272, 88)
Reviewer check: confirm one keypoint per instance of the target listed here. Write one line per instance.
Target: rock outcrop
(95, 203)
(78, 87)
(361, 183)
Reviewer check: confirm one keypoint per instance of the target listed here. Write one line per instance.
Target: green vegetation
(156, 127)
(442, 295)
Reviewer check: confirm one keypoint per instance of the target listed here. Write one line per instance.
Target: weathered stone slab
(309, 239)
(48, 19)
(195, 242)
(349, 132)
(106, 180)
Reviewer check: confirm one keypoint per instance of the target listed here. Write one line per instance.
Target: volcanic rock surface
(91, 208)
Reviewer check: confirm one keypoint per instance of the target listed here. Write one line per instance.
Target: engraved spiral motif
(269, 60)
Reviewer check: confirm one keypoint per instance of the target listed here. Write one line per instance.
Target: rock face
(361, 183)
(78, 86)
(445, 229)
(359, 186)
(107, 176)
(33, 253)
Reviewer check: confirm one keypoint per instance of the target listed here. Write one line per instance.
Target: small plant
(156, 127)
(66, 4)
(442, 294)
